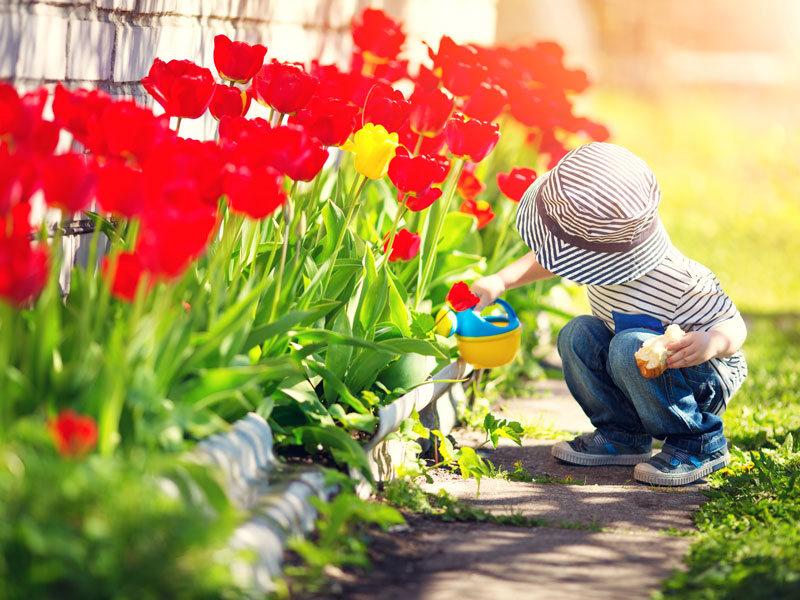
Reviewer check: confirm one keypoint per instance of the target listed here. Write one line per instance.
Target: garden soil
(608, 535)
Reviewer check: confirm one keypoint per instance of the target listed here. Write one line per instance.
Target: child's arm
(523, 270)
(699, 346)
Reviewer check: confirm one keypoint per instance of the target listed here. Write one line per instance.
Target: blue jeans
(681, 406)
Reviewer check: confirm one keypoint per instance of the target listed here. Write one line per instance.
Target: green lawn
(728, 169)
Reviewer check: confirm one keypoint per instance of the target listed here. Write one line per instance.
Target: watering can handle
(512, 316)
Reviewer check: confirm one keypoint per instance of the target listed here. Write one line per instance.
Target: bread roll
(651, 358)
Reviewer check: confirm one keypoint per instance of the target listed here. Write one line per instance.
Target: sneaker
(593, 449)
(676, 467)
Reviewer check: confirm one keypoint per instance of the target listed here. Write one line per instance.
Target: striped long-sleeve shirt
(681, 291)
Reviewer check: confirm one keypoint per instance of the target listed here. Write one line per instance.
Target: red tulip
(286, 87)
(10, 109)
(228, 101)
(404, 247)
(462, 79)
(237, 61)
(480, 210)
(486, 102)
(550, 145)
(515, 183)
(541, 107)
(73, 110)
(472, 139)
(183, 88)
(19, 178)
(334, 83)
(450, 52)
(421, 201)
(429, 145)
(330, 120)
(469, 186)
(390, 71)
(426, 79)
(386, 106)
(290, 150)
(460, 297)
(127, 270)
(74, 435)
(69, 183)
(120, 189)
(126, 130)
(196, 168)
(173, 237)
(377, 35)
(23, 267)
(444, 166)
(256, 194)
(429, 111)
(413, 175)
(597, 131)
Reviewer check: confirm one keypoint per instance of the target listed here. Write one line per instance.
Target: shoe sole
(563, 451)
(649, 474)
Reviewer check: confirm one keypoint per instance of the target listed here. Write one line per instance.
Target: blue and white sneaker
(675, 467)
(593, 449)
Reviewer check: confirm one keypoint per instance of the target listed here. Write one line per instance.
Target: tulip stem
(352, 202)
(287, 222)
(501, 238)
(430, 243)
(399, 215)
(419, 144)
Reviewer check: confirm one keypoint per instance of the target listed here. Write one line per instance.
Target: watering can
(483, 342)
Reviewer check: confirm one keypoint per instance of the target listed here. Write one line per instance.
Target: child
(593, 219)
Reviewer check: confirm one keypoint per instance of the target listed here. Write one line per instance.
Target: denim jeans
(681, 406)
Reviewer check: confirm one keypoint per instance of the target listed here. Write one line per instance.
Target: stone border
(278, 495)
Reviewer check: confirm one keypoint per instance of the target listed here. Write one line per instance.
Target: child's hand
(692, 349)
(488, 289)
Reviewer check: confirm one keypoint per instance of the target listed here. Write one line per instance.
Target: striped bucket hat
(593, 218)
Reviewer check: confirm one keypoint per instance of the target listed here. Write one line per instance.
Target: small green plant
(340, 540)
(407, 495)
(520, 473)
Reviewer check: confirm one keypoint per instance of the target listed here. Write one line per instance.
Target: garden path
(611, 537)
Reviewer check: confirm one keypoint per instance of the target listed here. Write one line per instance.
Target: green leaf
(211, 383)
(406, 345)
(459, 229)
(365, 368)
(344, 449)
(364, 423)
(446, 449)
(333, 218)
(471, 464)
(337, 357)
(374, 301)
(337, 384)
(282, 325)
(398, 312)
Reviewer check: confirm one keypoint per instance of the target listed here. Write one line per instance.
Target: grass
(749, 542)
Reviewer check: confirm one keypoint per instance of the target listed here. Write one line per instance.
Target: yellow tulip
(374, 149)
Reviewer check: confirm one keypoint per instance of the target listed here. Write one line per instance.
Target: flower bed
(264, 272)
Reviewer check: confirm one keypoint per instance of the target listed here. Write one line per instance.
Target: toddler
(593, 219)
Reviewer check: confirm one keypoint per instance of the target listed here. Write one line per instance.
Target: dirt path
(611, 537)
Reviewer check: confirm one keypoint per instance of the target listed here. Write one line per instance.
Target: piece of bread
(651, 358)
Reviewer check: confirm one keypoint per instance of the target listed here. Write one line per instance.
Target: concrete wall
(111, 44)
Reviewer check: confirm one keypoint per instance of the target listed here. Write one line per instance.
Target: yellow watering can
(484, 342)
